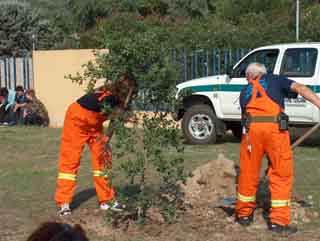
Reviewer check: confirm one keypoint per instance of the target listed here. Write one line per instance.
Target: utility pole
(297, 19)
(33, 41)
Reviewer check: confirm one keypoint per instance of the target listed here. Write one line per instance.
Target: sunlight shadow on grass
(82, 197)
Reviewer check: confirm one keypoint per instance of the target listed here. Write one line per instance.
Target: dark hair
(19, 88)
(31, 92)
(4, 92)
(54, 231)
(121, 87)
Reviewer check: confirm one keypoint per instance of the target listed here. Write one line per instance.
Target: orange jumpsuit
(83, 126)
(265, 138)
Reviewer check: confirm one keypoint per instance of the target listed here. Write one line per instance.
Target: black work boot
(282, 229)
(244, 221)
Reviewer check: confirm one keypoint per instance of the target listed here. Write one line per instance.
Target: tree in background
(86, 13)
(21, 27)
(196, 23)
(309, 27)
(191, 8)
(233, 9)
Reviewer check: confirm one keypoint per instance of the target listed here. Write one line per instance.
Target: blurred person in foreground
(54, 231)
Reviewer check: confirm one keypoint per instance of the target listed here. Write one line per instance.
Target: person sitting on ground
(54, 231)
(8, 104)
(3, 95)
(20, 103)
(3, 101)
(35, 113)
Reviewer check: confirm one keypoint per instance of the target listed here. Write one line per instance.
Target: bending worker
(265, 131)
(84, 124)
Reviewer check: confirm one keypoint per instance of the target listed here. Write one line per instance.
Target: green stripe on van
(315, 88)
(220, 87)
(231, 88)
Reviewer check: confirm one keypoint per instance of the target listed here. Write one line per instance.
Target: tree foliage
(197, 23)
(234, 9)
(21, 26)
(310, 30)
(86, 13)
(146, 155)
(141, 48)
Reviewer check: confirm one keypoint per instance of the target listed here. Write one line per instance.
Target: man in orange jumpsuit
(84, 124)
(262, 104)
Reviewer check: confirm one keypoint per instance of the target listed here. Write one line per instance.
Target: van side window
(299, 62)
(267, 57)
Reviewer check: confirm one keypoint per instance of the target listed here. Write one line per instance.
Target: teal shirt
(11, 99)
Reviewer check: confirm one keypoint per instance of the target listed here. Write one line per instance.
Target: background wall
(52, 88)
(56, 92)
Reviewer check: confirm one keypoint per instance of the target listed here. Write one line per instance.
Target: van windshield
(268, 57)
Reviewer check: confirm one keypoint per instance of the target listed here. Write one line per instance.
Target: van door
(299, 64)
(229, 94)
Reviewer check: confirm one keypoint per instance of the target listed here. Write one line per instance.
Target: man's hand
(15, 108)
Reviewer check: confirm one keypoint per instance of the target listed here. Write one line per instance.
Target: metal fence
(16, 71)
(194, 64)
(201, 63)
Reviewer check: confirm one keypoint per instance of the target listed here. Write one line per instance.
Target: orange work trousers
(83, 126)
(266, 138)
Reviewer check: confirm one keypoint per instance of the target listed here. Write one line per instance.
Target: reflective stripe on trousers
(98, 173)
(244, 198)
(280, 203)
(67, 176)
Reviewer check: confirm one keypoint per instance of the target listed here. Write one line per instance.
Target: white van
(212, 104)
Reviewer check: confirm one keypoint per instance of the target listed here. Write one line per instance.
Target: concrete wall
(56, 92)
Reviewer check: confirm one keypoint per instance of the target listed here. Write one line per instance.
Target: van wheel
(199, 125)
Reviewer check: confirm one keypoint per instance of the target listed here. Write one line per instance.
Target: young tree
(143, 49)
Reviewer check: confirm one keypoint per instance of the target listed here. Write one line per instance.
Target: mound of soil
(210, 182)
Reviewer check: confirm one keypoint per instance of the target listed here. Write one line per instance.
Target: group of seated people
(20, 107)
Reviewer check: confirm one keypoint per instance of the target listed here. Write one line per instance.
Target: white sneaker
(64, 209)
(113, 206)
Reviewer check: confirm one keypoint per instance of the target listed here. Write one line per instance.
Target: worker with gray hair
(265, 131)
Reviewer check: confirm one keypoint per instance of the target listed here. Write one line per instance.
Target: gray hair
(256, 69)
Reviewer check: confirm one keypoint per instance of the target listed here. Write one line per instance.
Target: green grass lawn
(28, 170)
